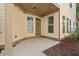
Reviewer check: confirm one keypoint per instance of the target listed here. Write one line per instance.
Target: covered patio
(40, 10)
(32, 47)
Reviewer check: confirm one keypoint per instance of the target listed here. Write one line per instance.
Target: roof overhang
(39, 9)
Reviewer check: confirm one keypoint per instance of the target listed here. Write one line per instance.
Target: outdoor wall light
(34, 8)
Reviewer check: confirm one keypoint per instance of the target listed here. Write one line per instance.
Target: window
(51, 24)
(29, 24)
(63, 24)
(70, 25)
(77, 24)
(67, 25)
(70, 5)
(73, 25)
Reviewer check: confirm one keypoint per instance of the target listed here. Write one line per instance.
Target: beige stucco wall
(68, 12)
(2, 23)
(44, 26)
(19, 24)
(8, 29)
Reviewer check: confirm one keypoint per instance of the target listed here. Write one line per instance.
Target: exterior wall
(19, 24)
(19, 20)
(44, 25)
(2, 23)
(8, 29)
(68, 12)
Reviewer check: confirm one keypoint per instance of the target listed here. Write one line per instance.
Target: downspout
(59, 23)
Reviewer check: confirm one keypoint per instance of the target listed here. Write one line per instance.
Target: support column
(8, 30)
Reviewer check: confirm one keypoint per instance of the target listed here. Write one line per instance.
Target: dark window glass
(50, 30)
(70, 5)
(51, 24)
(63, 17)
(77, 24)
(50, 20)
(70, 25)
(67, 24)
(63, 24)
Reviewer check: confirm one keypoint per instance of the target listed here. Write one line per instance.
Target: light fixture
(34, 8)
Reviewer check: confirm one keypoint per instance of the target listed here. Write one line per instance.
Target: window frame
(29, 23)
(70, 25)
(67, 25)
(69, 29)
(63, 24)
(52, 24)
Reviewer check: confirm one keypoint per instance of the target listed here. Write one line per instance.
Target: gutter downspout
(59, 24)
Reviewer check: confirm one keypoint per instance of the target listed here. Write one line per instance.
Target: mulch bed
(65, 48)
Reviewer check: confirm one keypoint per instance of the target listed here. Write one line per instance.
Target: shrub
(74, 34)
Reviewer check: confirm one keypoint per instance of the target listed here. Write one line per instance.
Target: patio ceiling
(39, 9)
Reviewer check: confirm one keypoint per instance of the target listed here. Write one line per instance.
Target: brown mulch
(65, 48)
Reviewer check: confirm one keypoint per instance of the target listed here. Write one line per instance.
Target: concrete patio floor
(33, 47)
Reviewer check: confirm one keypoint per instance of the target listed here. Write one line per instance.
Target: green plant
(77, 11)
(74, 35)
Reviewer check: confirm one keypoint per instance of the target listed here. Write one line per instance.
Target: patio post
(8, 30)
